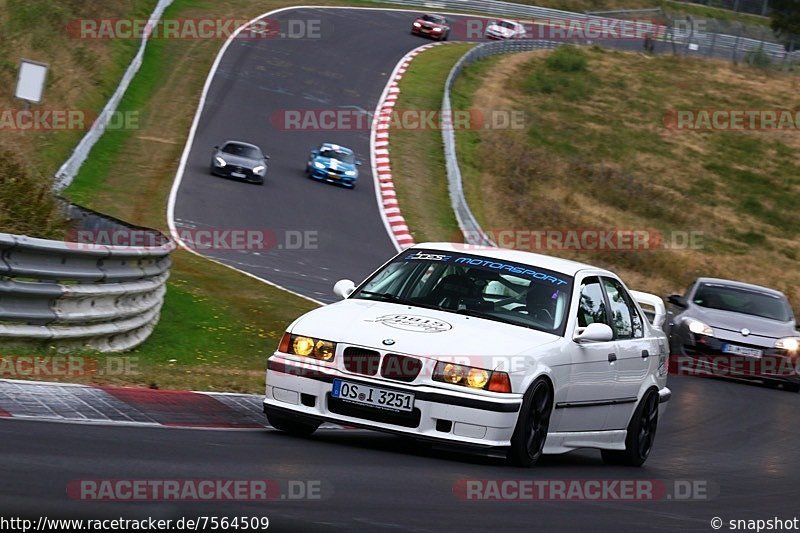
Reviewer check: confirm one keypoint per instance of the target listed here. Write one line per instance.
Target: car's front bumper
(237, 173)
(703, 355)
(439, 414)
(332, 177)
(428, 32)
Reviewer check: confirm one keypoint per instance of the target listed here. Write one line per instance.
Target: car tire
(641, 434)
(292, 426)
(445, 36)
(533, 422)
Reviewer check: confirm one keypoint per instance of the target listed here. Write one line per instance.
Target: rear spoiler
(653, 307)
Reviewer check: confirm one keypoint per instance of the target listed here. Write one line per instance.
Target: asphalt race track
(738, 441)
(257, 80)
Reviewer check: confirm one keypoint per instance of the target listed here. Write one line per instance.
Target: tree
(786, 21)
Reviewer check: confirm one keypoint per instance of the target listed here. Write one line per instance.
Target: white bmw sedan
(501, 350)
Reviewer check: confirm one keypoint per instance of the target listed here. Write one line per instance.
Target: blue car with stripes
(333, 163)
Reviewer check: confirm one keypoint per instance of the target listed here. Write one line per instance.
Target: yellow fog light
(453, 373)
(303, 345)
(477, 378)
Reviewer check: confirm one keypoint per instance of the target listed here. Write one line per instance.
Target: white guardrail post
(81, 295)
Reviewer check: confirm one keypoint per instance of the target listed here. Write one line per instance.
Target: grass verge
(597, 153)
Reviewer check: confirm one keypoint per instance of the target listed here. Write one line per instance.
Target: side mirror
(677, 299)
(344, 288)
(216, 147)
(596, 332)
(358, 162)
(266, 158)
(315, 153)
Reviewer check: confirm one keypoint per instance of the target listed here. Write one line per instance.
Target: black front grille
(400, 367)
(408, 419)
(361, 360)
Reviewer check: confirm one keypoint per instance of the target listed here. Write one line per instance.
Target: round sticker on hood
(421, 324)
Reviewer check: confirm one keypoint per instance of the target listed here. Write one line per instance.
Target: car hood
(334, 164)
(239, 161)
(430, 24)
(728, 320)
(418, 331)
(494, 28)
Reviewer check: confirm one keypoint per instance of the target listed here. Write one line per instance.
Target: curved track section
(256, 82)
(739, 441)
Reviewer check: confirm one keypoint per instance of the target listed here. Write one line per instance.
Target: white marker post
(30, 83)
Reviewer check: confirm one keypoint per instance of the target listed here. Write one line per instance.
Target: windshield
(501, 291)
(344, 157)
(242, 151)
(507, 24)
(741, 300)
(433, 18)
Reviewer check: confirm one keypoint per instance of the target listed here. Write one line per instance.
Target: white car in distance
(498, 350)
(505, 29)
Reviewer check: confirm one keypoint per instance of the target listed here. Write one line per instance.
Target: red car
(434, 26)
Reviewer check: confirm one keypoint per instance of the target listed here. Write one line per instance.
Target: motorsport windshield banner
(492, 265)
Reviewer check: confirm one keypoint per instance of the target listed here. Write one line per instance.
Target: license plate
(741, 350)
(333, 176)
(237, 174)
(372, 396)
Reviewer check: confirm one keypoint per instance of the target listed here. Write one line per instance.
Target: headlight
(307, 347)
(417, 25)
(350, 173)
(700, 328)
(319, 165)
(219, 161)
(476, 378)
(437, 29)
(790, 344)
(259, 169)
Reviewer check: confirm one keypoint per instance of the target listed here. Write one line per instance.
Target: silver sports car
(734, 329)
(239, 160)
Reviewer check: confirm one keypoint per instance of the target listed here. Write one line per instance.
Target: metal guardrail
(69, 169)
(77, 295)
(690, 41)
(473, 234)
